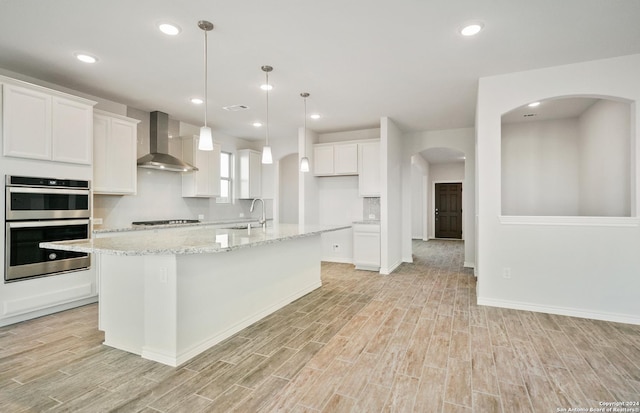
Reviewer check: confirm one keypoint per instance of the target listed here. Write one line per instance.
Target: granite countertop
(99, 229)
(205, 240)
(368, 222)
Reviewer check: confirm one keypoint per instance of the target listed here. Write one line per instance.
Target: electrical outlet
(506, 273)
(200, 216)
(242, 215)
(336, 247)
(372, 216)
(97, 221)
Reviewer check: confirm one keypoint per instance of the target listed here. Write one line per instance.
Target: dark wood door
(448, 213)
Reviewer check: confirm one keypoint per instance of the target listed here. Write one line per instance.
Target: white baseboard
(175, 360)
(28, 315)
(340, 260)
(566, 311)
(391, 268)
(468, 264)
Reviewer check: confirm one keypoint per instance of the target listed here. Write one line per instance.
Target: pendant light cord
(205, 79)
(267, 140)
(305, 128)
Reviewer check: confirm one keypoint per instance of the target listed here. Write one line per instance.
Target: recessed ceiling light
(257, 124)
(314, 116)
(197, 101)
(266, 87)
(83, 57)
(533, 104)
(471, 29)
(169, 29)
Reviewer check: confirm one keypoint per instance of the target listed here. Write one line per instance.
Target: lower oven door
(25, 258)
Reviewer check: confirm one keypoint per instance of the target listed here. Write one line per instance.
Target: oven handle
(48, 191)
(54, 223)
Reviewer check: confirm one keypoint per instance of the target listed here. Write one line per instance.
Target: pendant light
(304, 162)
(206, 139)
(266, 151)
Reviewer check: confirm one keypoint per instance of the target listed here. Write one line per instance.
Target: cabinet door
(345, 161)
(123, 156)
(366, 249)
(26, 123)
(323, 160)
(205, 182)
(72, 126)
(101, 128)
(369, 169)
(114, 155)
(250, 174)
(255, 175)
(208, 174)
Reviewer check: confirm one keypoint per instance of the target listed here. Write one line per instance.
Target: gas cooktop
(166, 222)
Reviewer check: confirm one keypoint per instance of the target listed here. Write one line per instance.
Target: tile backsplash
(371, 208)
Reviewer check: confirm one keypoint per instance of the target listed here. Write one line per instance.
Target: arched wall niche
(569, 156)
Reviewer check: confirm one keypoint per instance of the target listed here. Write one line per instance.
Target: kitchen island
(171, 294)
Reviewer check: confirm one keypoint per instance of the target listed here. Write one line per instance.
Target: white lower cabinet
(366, 246)
(114, 154)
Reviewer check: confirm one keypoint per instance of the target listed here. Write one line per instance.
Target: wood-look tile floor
(411, 342)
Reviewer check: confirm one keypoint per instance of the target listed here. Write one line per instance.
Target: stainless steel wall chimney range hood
(159, 157)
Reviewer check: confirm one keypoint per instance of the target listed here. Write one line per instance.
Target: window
(225, 179)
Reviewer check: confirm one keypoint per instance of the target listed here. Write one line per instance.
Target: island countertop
(201, 240)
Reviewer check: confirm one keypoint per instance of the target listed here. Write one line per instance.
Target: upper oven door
(46, 203)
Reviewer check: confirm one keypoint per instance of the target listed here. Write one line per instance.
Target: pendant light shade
(266, 151)
(206, 138)
(304, 162)
(266, 155)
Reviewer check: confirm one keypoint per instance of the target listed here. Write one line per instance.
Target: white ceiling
(358, 59)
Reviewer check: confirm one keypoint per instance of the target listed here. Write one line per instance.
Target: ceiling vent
(235, 108)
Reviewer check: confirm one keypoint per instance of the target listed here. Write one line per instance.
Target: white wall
(540, 167)
(463, 141)
(308, 212)
(582, 266)
(438, 173)
(338, 204)
(604, 159)
(391, 201)
(372, 133)
(419, 169)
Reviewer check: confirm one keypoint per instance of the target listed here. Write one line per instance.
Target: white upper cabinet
(114, 154)
(369, 169)
(38, 123)
(335, 159)
(205, 182)
(26, 123)
(323, 160)
(71, 133)
(250, 174)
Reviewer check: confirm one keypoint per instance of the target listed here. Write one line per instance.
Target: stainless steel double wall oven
(39, 210)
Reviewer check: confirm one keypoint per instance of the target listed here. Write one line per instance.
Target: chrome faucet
(263, 218)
